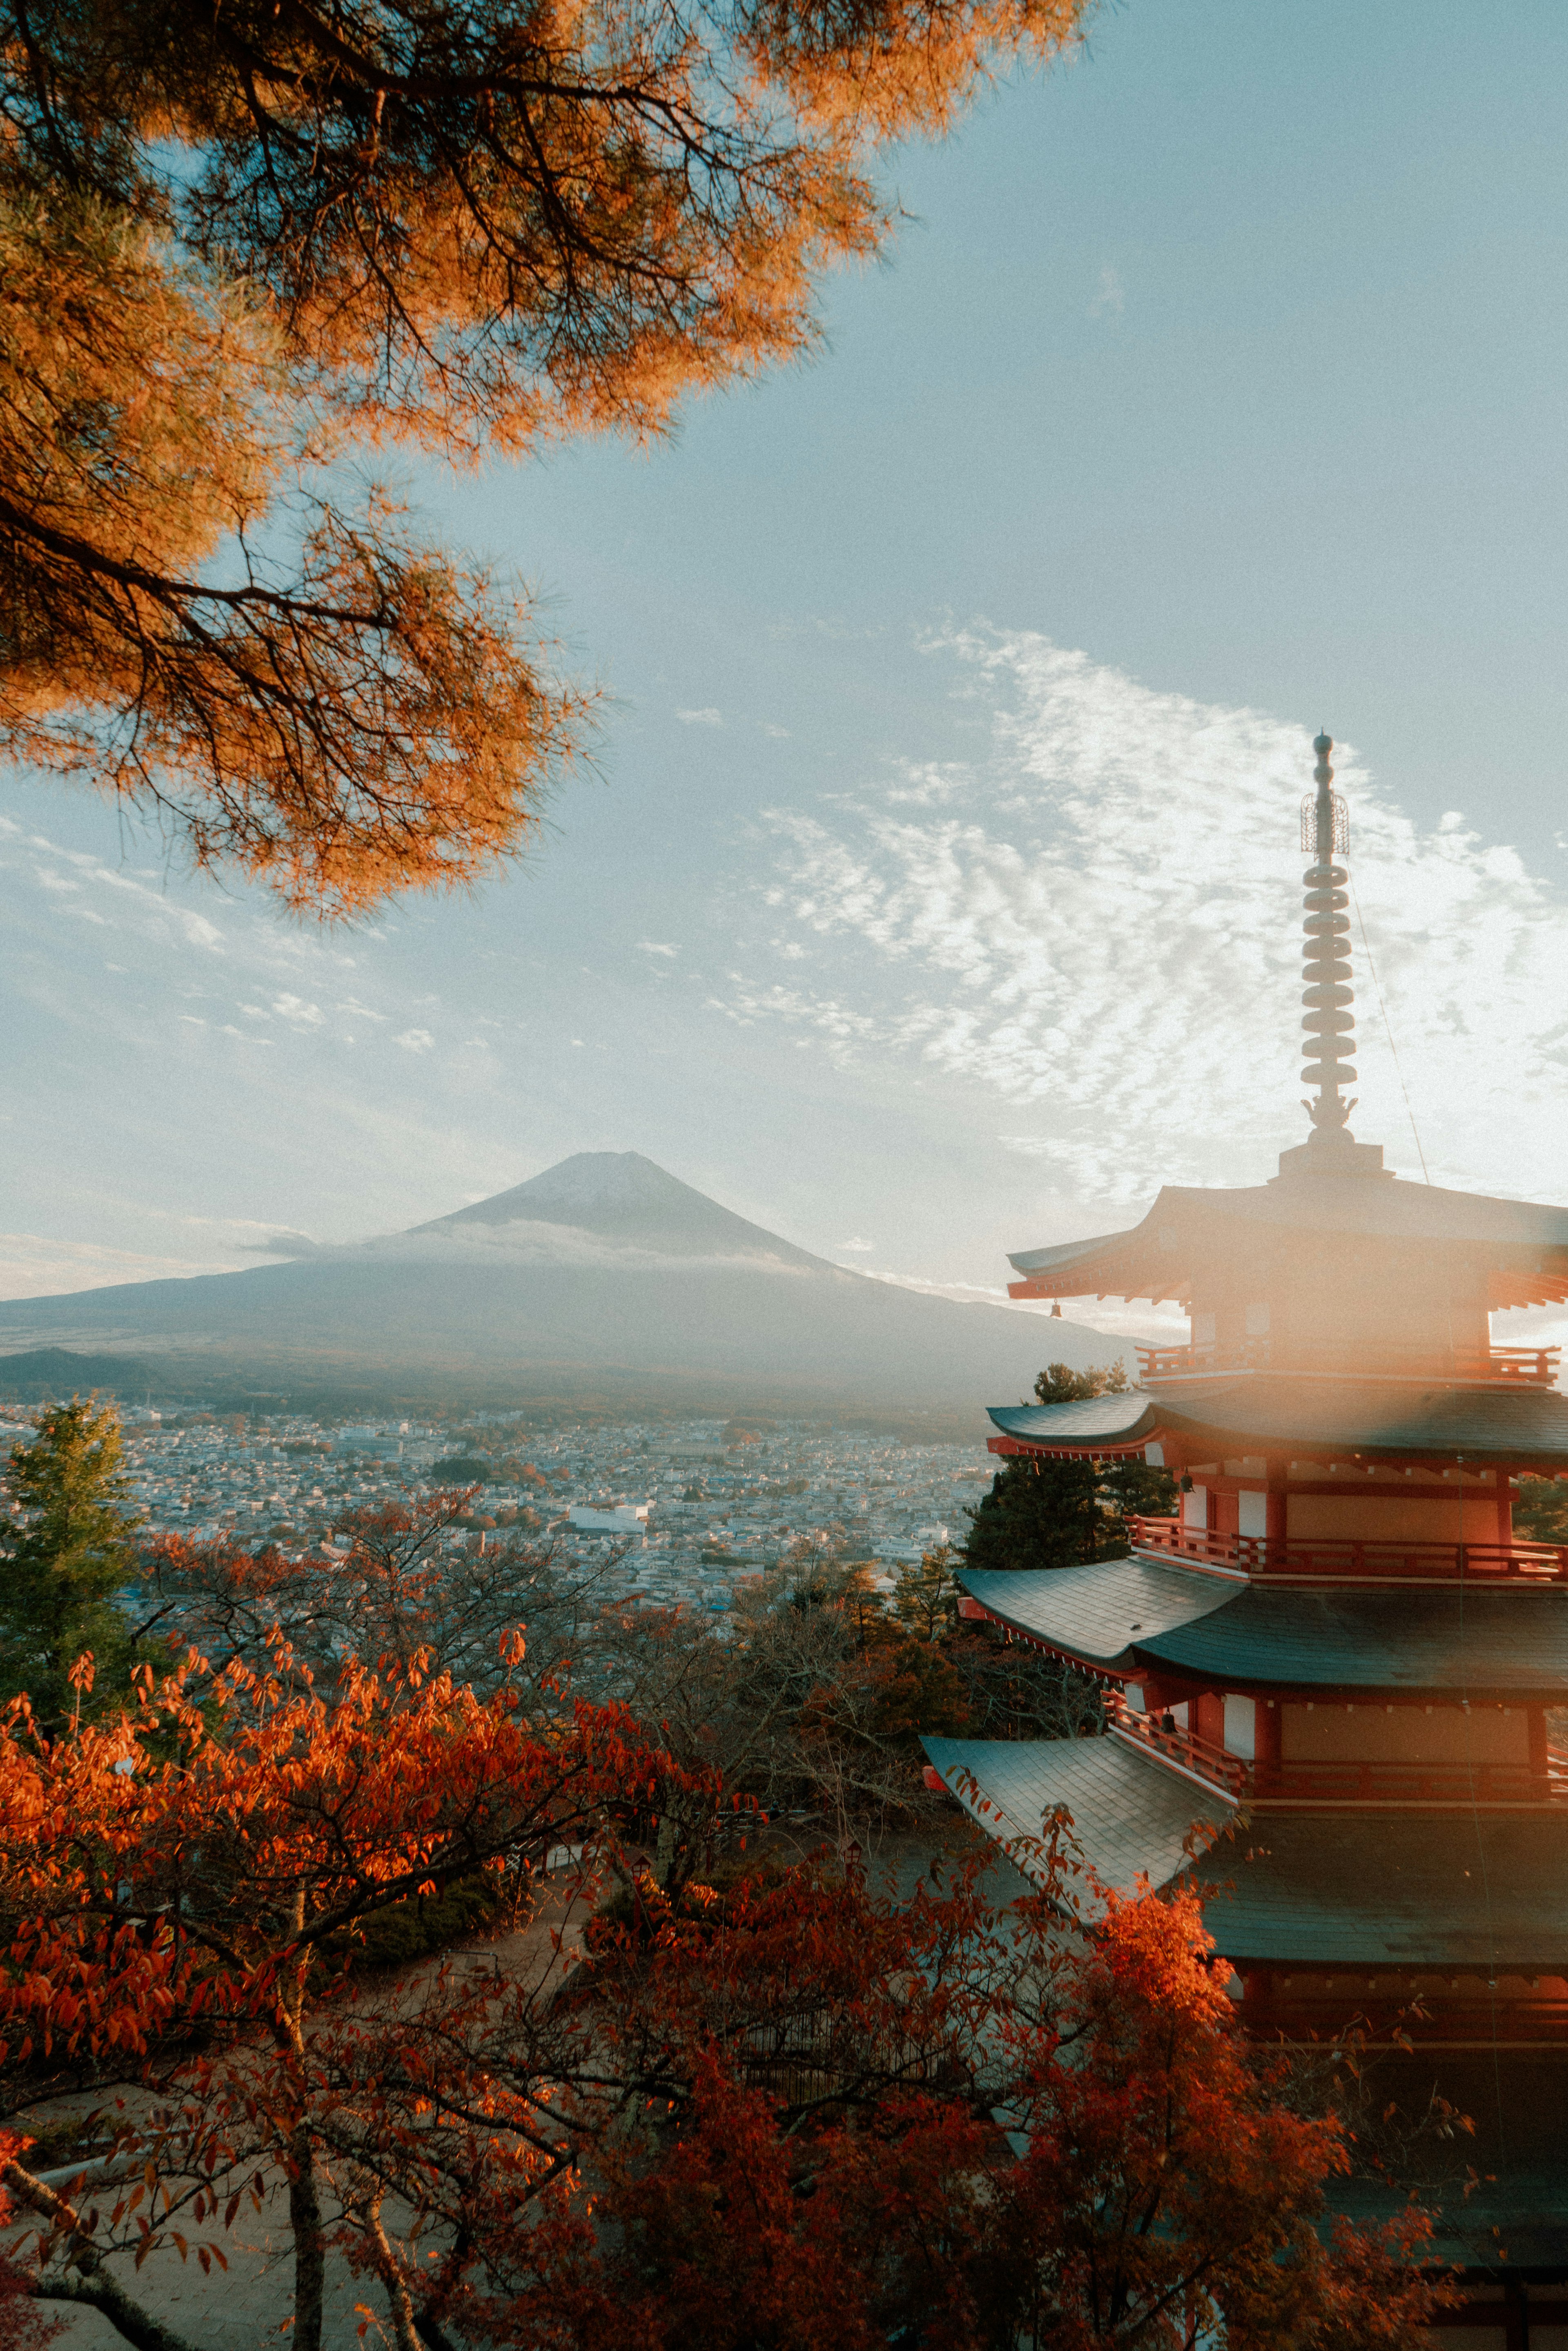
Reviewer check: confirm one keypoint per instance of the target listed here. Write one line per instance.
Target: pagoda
(1328, 1679)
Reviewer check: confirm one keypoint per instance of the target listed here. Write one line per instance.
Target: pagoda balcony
(1536, 1366)
(1336, 1560)
(1244, 1782)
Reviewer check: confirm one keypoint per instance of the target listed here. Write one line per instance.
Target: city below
(673, 1513)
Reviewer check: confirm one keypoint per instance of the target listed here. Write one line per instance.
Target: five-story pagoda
(1338, 1646)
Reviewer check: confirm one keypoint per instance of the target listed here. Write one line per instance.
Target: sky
(939, 893)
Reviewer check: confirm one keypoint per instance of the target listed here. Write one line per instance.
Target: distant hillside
(45, 1373)
(605, 1277)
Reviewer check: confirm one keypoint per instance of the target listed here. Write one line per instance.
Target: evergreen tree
(1540, 1512)
(66, 1552)
(925, 1598)
(1048, 1513)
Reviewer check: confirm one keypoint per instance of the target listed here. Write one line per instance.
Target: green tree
(925, 1598)
(1048, 1513)
(1540, 1510)
(67, 1551)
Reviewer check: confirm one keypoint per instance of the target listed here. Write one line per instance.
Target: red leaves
(139, 1896)
(777, 2094)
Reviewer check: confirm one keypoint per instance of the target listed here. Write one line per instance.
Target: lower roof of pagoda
(1486, 1892)
(1126, 1617)
(1305, 1416)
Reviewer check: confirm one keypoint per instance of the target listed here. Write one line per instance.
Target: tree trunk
(405, 2328)
(309, 2252)
(304, 2198)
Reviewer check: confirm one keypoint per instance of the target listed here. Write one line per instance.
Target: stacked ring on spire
(1326, 970)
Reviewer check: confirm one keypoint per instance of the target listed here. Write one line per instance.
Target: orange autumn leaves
(191, 1858)
(759, 2114)
(236, 250)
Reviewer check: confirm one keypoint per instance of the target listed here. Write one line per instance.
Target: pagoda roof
(1306, 1415)
(1124, 1616)
(1486, 1892)
(1131, 1818)
(1526, 1241)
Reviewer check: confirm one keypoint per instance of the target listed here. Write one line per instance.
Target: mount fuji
(603, 1276)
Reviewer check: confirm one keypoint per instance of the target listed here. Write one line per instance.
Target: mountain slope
(604, 1270)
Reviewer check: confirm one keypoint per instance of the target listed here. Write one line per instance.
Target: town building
(1330, 1679)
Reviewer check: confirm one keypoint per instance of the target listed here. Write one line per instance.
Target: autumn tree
(1158, 2191)
(1049, 1513)
(235, 248)
(181, 1895)
(67, 1551)
(760, 2117)
(403, 1578)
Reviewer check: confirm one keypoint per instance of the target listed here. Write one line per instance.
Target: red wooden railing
(1370, 1561)
(1536, 1365)
(1228, 1774)
(1351, 1781)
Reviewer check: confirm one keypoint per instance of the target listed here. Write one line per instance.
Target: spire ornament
(1329, 1024)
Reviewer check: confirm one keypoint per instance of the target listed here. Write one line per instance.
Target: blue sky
(940, 892)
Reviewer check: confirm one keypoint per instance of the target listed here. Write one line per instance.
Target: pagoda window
(1241, 1722)
(1194, 1508)
(1203, 1330)
(1257, 1319)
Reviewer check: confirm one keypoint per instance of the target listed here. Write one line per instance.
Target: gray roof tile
(1485, 1892)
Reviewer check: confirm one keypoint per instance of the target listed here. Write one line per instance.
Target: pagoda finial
(1329, 1023)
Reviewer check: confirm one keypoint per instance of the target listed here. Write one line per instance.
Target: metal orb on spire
(1329, 1024)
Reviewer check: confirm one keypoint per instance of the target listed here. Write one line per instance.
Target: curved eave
(1524, 1244)
(1508, 1648)
(1133, 1619)
(1094, 1616)
(1130, 1817)
(1279, 1414)
(1328, 1890)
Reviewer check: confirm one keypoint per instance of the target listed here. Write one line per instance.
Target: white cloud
(1107, 936)
(656, 947)
(297, 1013)
(700, 718)
(415, 1041)
(857, 1245)
(1110, 298)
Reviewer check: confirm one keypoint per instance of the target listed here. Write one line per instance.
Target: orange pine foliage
(233, 247)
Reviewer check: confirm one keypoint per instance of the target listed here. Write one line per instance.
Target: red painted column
(1536, 1718)
(1275, 1510)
